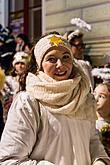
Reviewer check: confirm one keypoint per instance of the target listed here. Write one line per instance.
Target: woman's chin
(61, 78)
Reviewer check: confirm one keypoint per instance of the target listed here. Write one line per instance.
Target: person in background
(28, 47)
(102, 96)
(53, 121)
(2, 80)
(12, 83)
(22, 42)
(75, 38)
(7, 48)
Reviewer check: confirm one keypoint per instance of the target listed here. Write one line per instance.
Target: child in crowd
(12, 83)
(53, 121)
(22, 41)
(102, 96)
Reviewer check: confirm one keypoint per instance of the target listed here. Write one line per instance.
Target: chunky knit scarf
(64, 97)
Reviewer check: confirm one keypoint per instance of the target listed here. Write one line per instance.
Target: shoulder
(9, 81)
(87, 109)
(91, 99)
(25, 96)
(8, 78)
(24, 106)
(84, 63)
(90, 107)
(24, 100)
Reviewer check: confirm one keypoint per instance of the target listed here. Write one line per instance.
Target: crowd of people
(54, 113)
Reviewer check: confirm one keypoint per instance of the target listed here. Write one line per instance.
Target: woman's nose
(59, 63)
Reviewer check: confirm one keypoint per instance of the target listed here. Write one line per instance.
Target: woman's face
(78, 48)
(20, 67)
(102, 97)
(57, 63)
(19, 41)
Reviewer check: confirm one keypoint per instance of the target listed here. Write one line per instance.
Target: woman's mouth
(60, 73)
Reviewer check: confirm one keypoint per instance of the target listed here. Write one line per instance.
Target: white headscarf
(46, 43)
(21, 57)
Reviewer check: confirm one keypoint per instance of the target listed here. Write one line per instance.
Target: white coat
(34, 135)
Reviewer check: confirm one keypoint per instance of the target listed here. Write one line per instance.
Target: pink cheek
(73, 51)
(50, 71)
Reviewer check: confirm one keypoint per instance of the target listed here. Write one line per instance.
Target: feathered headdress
(80, 24)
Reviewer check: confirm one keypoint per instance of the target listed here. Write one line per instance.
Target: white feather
(80, 23)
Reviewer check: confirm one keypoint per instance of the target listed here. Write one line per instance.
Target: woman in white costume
(53, 121)
(12, 82)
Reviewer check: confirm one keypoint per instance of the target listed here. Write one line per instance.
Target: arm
(98, 154)
(20, 132)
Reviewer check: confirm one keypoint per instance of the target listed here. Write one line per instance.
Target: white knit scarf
(64, 97)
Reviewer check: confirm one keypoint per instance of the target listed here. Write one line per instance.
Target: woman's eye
(53, 60)
(66, 57)
(102, 96)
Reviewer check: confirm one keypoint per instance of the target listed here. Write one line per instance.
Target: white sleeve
(19, 135)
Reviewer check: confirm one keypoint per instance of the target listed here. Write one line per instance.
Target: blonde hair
(107, 85)
(2, 78)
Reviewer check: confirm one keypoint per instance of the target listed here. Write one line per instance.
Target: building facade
(4, 12)
(36, 17)
(25, 16)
